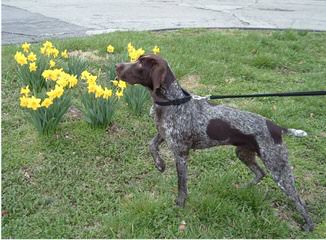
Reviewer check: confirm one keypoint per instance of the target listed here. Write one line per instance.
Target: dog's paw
(160, 165)
(180, 202)
(308, 227)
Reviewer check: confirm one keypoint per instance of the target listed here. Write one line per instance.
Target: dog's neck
(169, 89)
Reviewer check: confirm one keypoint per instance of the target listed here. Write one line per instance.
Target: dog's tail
(295, 132)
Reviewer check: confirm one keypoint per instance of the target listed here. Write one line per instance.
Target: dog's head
(149, 71)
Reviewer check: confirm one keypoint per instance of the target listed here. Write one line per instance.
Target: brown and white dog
(187, 122)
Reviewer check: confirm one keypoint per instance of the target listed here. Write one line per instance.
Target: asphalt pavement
(35, 20)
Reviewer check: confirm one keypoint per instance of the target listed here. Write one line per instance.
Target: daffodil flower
(122, 84)
(51, 94)
(72, 80)
(20, 58)
(64, 54)
(115, 82)
(54, 52)
(130, 47)
(52, 63)
(91, 88)
(26, 46)
(47, 102)
(107, 93)
(99, 91)
(91, 79)
(47, 44)
(62, 81)
(24, 101)
(85, 74)
(32, 67)
(25, 91)
(34, 103)
(119, 93)
(58, 90)
(110, 49)
(156, 50)
(31, 57)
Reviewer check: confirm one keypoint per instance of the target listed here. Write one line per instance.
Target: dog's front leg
(154, 149)
(181, 164)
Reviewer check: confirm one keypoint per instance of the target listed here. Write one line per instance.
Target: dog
(186, 121)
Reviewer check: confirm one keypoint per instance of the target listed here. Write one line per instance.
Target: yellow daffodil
(119, 93)
(26, 46)
(98, 91)
(107, 93)
(52, 63)
(24, 101)
(47, 102)
(72, 81)
(46, 74)
(91, 88)
(32, 67)
(52, 94)
(110, 49)
(135, 54)
(47, 44)
(54, 52)
(64, 54)
(34, 103)
(25, 91)
(49, 50)
(43, 49)
(140, 51)
(58, 90)
(20, 58)
(91, 79)
(122, 84)
(31, 57)
(156, 50)
(115, 82)
(62, 81)
(57, 72)
(130, 47)
(52, 74)
(84, 75)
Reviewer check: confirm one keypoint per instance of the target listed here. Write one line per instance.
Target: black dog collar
(176, 102)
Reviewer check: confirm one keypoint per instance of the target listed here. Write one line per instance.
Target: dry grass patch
(89, 55)
(191, 82)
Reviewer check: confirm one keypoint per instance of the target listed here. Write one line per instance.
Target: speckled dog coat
(198, 124)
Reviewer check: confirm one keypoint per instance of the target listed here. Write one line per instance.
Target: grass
(92, 183)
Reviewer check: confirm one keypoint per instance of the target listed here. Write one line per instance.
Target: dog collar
(176, 102)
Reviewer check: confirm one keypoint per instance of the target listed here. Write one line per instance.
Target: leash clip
(200, 97)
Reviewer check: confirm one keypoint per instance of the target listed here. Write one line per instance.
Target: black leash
(188, 97)
(286, 94)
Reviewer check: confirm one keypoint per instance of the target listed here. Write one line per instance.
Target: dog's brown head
(149, 71)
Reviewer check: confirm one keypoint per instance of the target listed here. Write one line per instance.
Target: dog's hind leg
(248, 157)
(275, 159)
(154, 150)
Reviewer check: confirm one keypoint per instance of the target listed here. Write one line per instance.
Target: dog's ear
(158, 74)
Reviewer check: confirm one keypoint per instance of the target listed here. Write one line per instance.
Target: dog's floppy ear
(158, 74)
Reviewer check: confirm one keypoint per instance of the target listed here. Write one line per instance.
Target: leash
(188, 97)
(285, 94)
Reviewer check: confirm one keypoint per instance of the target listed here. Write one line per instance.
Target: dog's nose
(118, 67)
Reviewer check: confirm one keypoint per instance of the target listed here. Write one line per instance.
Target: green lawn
(91, 183)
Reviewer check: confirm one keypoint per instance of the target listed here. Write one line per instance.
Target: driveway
(35, 20)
